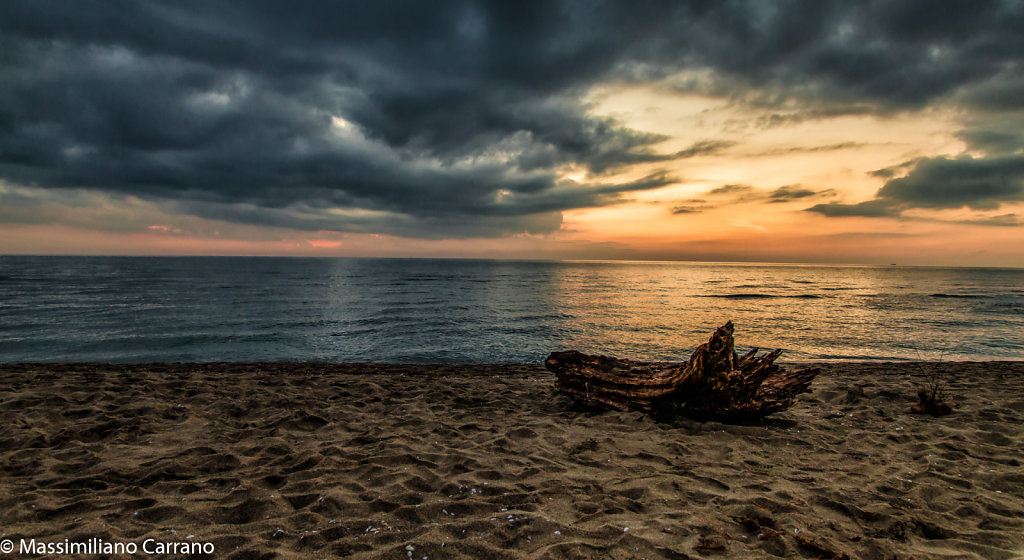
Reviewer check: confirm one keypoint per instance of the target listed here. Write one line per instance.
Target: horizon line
(525, 260)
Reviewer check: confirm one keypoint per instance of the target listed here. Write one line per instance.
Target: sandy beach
(264, 461)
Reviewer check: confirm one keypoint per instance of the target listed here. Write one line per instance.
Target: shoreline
(293, 460)
(347, 368)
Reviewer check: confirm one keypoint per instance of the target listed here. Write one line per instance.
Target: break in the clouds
(464, 119)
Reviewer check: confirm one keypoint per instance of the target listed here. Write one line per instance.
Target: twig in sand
(763, 526)
(709, 544)
(822, 550)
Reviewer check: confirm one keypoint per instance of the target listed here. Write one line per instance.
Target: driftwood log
(714, 384)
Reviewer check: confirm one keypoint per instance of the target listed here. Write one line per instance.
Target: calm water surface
(451, 311)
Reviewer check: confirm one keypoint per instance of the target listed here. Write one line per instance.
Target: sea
(203, 309)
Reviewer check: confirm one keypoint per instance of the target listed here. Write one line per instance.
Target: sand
(380, 461)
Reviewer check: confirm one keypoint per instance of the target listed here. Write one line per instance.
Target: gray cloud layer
(459, 113)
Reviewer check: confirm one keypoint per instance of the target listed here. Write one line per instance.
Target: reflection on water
(208, 309)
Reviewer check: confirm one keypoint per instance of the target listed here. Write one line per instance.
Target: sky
(871, 132)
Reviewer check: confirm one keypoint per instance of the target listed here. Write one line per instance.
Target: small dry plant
(932, 398)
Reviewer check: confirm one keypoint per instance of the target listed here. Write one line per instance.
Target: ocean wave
(763, 296)
(961, 296)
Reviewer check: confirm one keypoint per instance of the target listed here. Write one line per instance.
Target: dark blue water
(430, 311)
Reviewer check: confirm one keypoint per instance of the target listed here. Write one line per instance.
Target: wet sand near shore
(489, 461)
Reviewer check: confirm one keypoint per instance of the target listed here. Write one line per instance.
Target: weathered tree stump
(714, 384)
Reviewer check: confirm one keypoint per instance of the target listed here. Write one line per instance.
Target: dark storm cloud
(452, 112)
(942, 183)
(890, 172)
(878, 208)
(785, 193)
(705, 147)
(955, 183)
(1001, 138)
(887, 54)
(812, 149)
(788, 193)
(687, 209)
(448, 118)
(1000, 93)
(731, 189)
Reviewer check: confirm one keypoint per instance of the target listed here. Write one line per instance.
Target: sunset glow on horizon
(758, 132)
